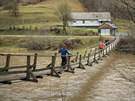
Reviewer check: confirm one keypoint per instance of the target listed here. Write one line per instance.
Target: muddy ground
(100, 82)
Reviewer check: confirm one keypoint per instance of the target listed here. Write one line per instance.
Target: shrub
(34, 43)
(72, 43)
(27, 2)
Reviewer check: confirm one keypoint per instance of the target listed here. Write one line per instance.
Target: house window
(83, 21)
(74, 21)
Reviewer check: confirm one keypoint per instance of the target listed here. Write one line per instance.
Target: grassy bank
(43, 44)
(41, 14)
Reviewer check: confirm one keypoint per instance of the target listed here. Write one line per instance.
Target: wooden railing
(31, 72)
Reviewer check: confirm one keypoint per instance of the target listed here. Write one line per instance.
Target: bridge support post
(76, 58)
(103, 55)
(99, 54)
(85, 55)
(107, 50)
(29, 73)
(69, 68)
(94, 59)
(53, 71)
(80, 63)
(88, 60)
(35, 62)
(28, 68)
(7, 63)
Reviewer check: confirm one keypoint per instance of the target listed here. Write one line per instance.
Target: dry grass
(41, 14)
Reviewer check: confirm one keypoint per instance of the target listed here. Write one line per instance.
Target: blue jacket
(63, 52)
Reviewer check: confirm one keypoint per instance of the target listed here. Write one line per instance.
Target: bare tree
(120, 8)
(11, 5)
(63, 12)
(130, 6)
(14, 8)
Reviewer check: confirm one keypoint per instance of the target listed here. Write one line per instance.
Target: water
(101, 82)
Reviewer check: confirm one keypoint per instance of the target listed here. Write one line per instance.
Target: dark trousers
(64, 61)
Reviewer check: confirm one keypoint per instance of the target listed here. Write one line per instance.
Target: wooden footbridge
(31, 71)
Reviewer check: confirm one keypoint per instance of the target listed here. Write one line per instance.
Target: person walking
(102, 45)
(64, 52)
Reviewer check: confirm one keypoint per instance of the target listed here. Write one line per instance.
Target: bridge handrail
(88, 57)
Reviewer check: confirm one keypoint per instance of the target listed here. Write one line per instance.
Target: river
(100, 82)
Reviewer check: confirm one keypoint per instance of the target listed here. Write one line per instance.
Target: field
(41, 14)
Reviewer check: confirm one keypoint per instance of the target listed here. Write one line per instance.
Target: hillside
(41, 14)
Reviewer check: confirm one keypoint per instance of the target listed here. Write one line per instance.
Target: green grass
(41, 14)
(83, 29)
(32, 9)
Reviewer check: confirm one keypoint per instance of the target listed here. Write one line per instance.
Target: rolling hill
(41, 14)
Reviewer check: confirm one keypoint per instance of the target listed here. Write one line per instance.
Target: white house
(89, 19)
(107, 29)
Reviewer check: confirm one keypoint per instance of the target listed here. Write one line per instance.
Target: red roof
(107, 26)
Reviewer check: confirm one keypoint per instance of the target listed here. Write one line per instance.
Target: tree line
(118, 8)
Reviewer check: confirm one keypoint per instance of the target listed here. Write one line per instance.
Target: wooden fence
(20, 28)
(30, 72)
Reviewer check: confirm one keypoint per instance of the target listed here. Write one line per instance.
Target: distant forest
(118, 8)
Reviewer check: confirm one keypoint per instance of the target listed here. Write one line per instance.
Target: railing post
(28, 68)
(76, 57)
(88, 61)
(52, 64)
(107, 50)
(99, 54)
(29, 73)
(94, 59)
(35, 62)
(80, 63)
(113, 46)
(7, 62)
(53, 71)
(104, 52)
(69, 68)
(85, 55)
